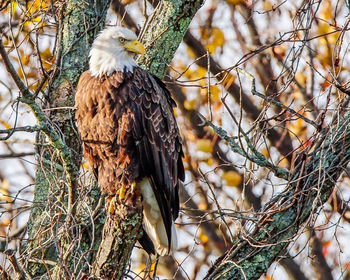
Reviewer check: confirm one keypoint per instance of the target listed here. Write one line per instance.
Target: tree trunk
(53, 221)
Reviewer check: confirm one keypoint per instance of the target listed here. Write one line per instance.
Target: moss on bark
(164, 33)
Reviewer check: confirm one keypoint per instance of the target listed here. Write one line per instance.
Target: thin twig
(256, 157)
(273, 101)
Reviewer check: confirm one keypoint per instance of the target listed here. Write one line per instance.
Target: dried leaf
(204, 145)
(5, 124)
(232, 178)
(4, 191)
(12, 8)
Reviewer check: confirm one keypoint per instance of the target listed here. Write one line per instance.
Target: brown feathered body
(129, 133)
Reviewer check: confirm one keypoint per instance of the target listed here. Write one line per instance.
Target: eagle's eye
(122, 40)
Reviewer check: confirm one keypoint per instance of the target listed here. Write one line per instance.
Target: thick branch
(164, 32)
(120, 233)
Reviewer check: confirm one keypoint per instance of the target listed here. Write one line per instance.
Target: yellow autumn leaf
(175, 112)
(218, 36)
(4, 191)
(200, 73)
(217, 39)
(330, 37)
(190, 104)
(326, 12)
(202, 206)
(46, 54)
(204, 145)
(191, 53)
(33, 9)
(139, 269)
(268, 6)
(211, 48)
(84, 165)
(19, 72)
(265, 152)
(188, 74)
(297, 128)
(205, 34)
(210, 161)
(125, 2)
(280, 51)
(203, 237)
(25, 59)
(12, 7)
(204, 94)
(5, 222)
(235, 2)
(215, 93)
(190, 136)
(284, 163)
(36, 6)
(326, 58)
(301, 78)
(5, 124)
(232, 178)
(229, 80)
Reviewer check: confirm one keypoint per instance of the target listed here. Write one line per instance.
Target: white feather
(153, 222)
(107, 55)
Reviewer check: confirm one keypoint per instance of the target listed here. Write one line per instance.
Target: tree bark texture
(164, 32)
(310, 185)
(118, 239)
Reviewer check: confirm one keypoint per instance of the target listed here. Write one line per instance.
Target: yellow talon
(112, 206)
(121, 193)
(133, 186)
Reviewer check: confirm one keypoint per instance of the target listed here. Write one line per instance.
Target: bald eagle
(129, 133)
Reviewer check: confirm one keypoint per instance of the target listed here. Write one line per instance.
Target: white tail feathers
(153, 222)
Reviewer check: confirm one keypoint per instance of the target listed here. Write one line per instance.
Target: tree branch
(164, 32)
(254, 156)
(284, 146)
(121, 231)
(44, 124)
(311, 184)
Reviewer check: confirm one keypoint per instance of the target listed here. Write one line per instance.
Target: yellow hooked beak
(135, 46)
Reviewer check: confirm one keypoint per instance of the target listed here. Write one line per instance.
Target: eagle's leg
(121, 194)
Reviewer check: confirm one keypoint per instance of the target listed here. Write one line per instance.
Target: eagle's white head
(113, 50)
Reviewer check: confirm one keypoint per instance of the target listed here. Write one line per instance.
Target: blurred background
(298, 54)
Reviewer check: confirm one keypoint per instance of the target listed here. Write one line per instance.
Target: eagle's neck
(105, 60)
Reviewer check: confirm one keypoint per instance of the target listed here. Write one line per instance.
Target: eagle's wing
(157, 140)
